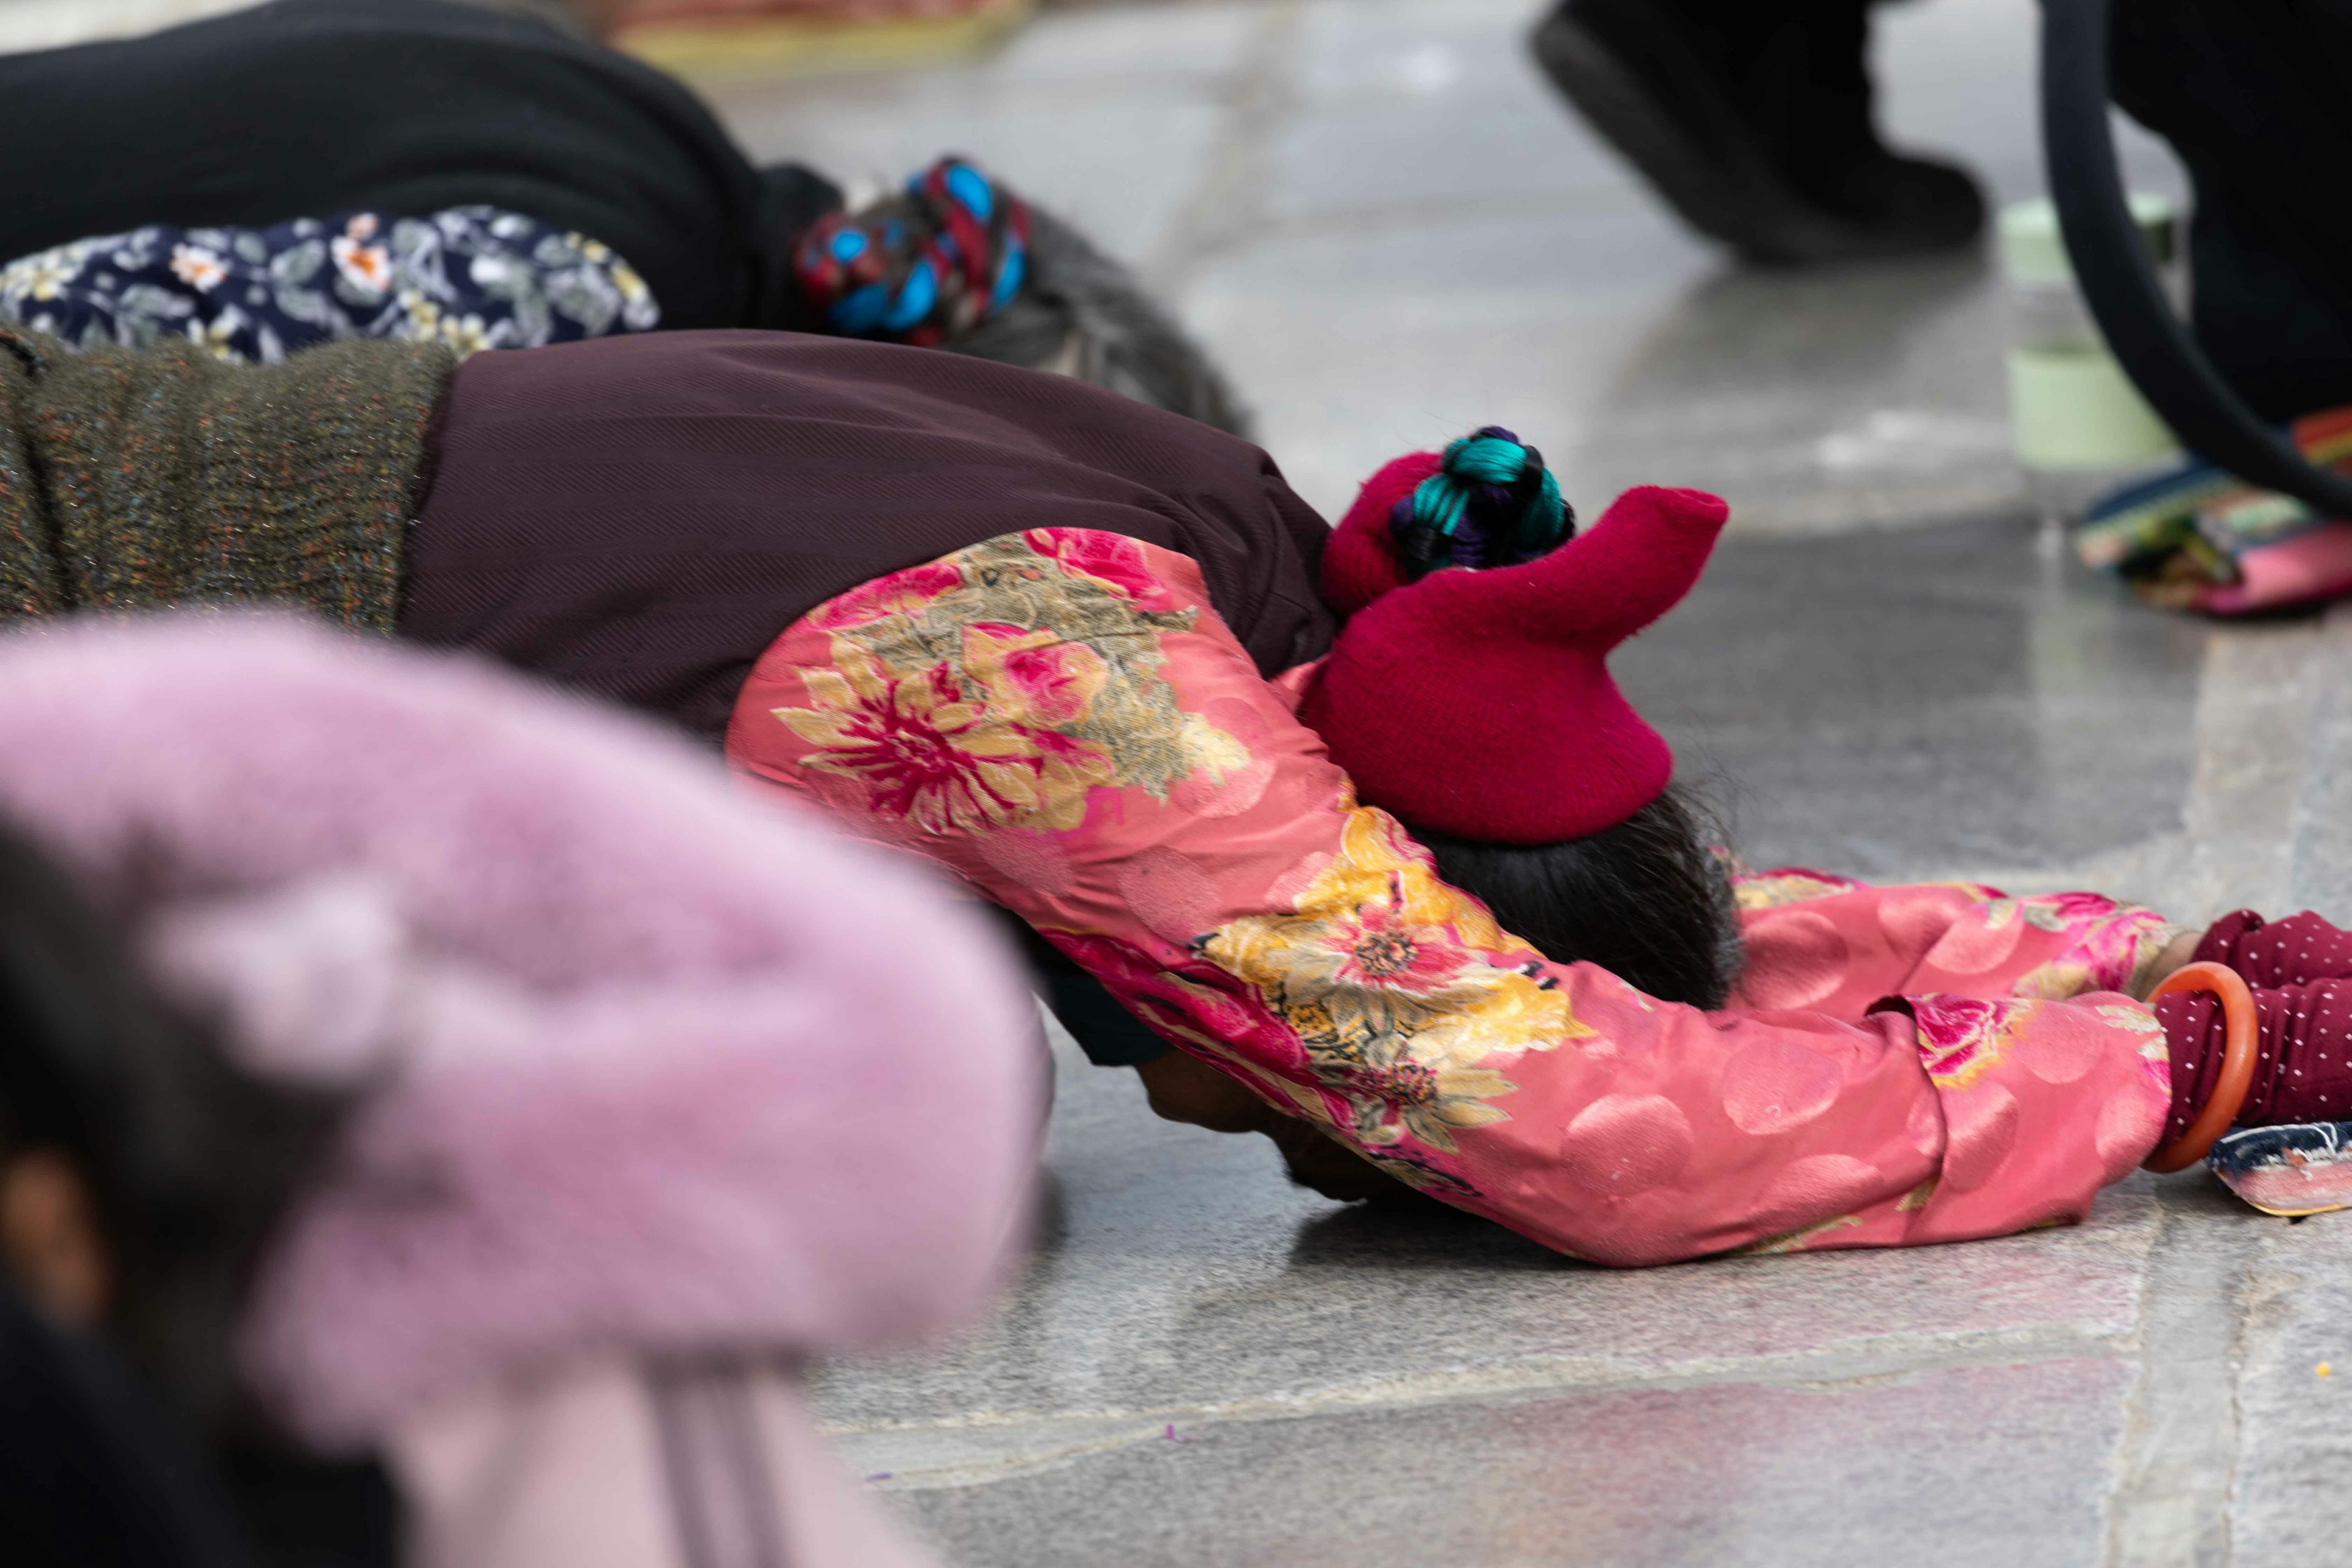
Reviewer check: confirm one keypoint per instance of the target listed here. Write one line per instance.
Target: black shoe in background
(1752, 118)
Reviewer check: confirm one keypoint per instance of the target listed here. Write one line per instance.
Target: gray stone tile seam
(2237, 1361)
(2320, 840)
(1381, 218)
(2265, 1285)
(1852, 1363)
(2089, 875)
(1067, 1440)
(981, 1471)
(2182, 1414)
(1950, 506)
(1228, 196)
(954, 88)
(2212, 818)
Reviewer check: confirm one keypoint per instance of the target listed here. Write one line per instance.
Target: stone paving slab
(2318, 825)
(1349, 356)
(1377, 216)
(1181, 1286)
(54, 24)
(1382, 219)
(1893, 705)
(1091, 152)
(1399, 107)
(1182, 1277)
(1981, 1465)
(2294, 1453)
(1206, 1365)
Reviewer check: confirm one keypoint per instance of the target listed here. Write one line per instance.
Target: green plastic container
(2072, 408)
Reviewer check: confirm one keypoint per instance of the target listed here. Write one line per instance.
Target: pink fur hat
(644, 1065)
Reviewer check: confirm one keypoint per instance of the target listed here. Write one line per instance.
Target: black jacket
(313, 108)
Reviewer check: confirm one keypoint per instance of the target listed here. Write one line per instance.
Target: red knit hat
(1479, 703)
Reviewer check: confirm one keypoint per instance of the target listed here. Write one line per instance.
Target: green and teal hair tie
(1492, 503)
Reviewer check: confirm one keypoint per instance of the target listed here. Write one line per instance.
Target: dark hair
(1491, 503)
(1649, 900)
(190, 1161)
(1082, 312)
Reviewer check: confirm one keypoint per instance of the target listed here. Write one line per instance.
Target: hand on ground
(1182, 1088)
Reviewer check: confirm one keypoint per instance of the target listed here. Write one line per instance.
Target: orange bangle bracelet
(2241, 1043)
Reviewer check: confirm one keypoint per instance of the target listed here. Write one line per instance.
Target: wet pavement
(1379, 219)
(1382, 220)
(1204, 1364)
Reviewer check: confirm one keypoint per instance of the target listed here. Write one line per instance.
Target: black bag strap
(2118, 279)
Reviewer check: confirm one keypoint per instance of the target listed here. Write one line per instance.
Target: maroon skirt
(640, 517)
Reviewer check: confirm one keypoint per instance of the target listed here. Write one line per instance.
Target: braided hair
(958, 261)
(1494, 503)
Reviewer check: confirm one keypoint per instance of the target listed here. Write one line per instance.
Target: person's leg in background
(1753, 118)
(2257, 101)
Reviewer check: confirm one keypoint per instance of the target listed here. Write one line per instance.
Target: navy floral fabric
(475, 277)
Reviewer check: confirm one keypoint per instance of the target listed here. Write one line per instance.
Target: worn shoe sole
(1728, 194)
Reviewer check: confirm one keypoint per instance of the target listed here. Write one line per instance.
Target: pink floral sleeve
(1838, 945)
(1059, 717)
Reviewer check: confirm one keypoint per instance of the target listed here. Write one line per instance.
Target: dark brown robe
(639, 516)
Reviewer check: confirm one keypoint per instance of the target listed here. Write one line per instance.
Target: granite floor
(1205, 1365)
(1383, 222)
(1377, 215)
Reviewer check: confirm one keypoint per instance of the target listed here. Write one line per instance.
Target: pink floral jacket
(1060, 717)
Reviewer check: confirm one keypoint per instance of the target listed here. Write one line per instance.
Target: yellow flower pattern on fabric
(1034, 677)
(1754, 891)
(1395, 984)
(1792, 885)
(1208, 748)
